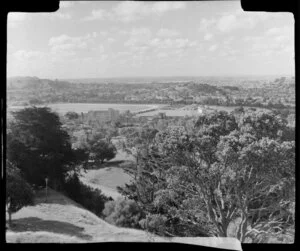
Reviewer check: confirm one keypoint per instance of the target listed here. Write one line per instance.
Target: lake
(63, 108)
(85, 107)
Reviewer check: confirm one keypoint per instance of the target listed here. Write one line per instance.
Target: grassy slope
(62, 220)
(109, 176)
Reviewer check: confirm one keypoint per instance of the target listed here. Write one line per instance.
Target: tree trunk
(9, 218)
(242, 229)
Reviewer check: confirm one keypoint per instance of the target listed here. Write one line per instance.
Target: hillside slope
(61, 220)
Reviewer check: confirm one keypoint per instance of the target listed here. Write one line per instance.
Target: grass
(61, 220)
(108, 176)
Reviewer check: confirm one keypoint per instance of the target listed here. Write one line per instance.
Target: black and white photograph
(150, 121)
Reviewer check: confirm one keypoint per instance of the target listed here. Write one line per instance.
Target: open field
(108, 176)
(106, 179)
(61, 220)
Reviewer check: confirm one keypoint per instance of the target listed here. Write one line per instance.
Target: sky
(95, 39)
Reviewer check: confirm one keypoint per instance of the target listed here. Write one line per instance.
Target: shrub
(154, 223)
(92, 199)
(123, 213)
(18, 192)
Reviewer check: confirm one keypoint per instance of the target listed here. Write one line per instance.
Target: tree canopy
(39, 147)
(230, 170)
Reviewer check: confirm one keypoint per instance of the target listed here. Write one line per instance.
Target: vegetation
(101, 150)
(268, 93)
(40, 148)
(91, 199)
(18, 192)
(123, 213)
(218, 174)
(231, 169)
(72, 115)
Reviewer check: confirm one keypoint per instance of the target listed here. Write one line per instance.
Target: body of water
(85, 107)
(63, 108)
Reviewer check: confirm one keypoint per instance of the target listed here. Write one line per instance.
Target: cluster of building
(102, 116)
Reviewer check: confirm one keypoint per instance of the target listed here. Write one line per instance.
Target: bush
(18, 192)
(154, 223)
(92, 199)
(123, 213)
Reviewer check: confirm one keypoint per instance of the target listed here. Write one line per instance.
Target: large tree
(137, 140)
(101, 150)
(39, 147)
(219, 176)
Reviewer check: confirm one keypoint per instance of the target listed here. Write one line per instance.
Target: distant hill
(165, 90)
(35, 83)
(163, 79)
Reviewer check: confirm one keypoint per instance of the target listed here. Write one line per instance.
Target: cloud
(234, 19)
(287, 31)
(141, 41)
(227, 23)
(162, 7)
(179, 43)
(162, 55)
(57, 15)
(208, 36)
(98, 14)
(99, 49)
(122, 54)
(213, 47)
(167, 33)
(16, 18)
(103, 33)
(63, 15)
(67, 45)
(128, 11)
(65, 4)
(10, 47)
(240, 20)
(273, 38)
(138, 36)
(228, 40)
(206, 24)
(111, 40)
(275, 41)
(82, 2)
(24, 55)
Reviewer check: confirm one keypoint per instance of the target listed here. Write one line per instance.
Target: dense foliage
(232, 170)
(101, 150)
(18, 191)
(92, 199)
(38, 145)
(221, 174)
(123, 213)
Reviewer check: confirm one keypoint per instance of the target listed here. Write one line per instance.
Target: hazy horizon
(158, 77)
(123, 39)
